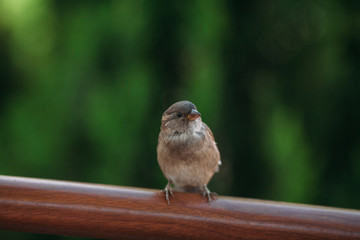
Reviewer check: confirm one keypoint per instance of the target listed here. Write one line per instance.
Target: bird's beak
(193, 115)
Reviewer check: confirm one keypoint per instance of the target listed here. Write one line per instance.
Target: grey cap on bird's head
(186, 108)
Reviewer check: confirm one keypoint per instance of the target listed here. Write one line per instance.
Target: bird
(187, 152)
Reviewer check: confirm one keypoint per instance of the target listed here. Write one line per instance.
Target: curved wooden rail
(102, 211)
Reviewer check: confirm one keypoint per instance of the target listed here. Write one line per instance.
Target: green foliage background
(84, 84)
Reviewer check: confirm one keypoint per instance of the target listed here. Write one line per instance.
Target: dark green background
(84, 84)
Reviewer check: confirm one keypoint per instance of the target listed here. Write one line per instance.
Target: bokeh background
(84, 83)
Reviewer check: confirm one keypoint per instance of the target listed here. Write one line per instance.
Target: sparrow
(186, 152)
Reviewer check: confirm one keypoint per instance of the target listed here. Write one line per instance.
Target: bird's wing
(212, 137)
(209, 131)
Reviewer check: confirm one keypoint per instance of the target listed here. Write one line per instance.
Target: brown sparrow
(186, 151)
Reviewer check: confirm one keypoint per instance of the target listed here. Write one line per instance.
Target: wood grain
(112, 212)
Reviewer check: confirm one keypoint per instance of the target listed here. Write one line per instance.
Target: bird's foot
(209, 195)
(168, 191)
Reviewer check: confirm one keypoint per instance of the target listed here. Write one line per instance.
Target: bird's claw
(209, 195)
(168, 191)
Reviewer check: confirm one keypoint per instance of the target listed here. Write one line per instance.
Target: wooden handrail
(112, 212)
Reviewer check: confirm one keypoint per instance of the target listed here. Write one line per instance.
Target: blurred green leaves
(291, 158)
(203, 33)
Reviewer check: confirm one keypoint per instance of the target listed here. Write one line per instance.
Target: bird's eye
(179, 114)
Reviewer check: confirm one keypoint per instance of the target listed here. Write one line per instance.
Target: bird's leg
(167, 191)
(209, 195)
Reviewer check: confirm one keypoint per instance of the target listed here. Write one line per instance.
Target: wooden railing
(112, 212)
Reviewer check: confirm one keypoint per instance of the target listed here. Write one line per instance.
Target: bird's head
(179, 116)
